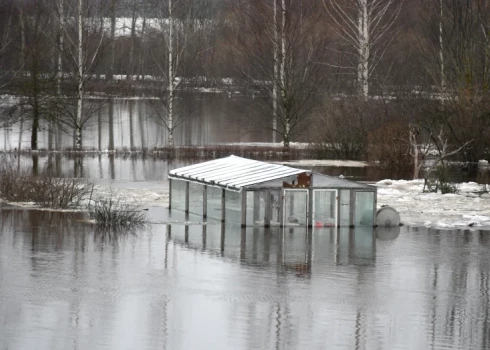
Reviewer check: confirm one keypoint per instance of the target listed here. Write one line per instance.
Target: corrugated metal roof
(234, 172)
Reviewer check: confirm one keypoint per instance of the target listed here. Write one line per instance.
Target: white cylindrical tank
(387, 217)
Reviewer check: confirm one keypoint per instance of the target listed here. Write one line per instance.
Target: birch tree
(276, 51)
(83, 50)
(181, 38)
(366, 26)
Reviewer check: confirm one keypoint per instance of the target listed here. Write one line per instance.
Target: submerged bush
(114, 213)
(42, 189)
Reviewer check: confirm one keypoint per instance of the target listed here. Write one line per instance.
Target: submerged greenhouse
(254, 193)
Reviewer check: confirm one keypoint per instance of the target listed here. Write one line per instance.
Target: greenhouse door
(325, 208)
(295, 207)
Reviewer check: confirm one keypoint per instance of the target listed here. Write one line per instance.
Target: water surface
(63, 285)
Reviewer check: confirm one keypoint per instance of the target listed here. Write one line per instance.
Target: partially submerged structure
(255, 193)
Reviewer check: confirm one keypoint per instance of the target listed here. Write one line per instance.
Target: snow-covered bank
(465, 209)
(325, 162)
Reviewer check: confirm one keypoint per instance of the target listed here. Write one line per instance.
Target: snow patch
(465, 209)
(325, 162)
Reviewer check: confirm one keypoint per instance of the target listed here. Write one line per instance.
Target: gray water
(201, 119)
(63, 285)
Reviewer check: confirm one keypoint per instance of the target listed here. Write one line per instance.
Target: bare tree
(34, 79)
(181, 41)
(276, 51)
(366, 27)
(83, 49)
(6, 40)
(455, 47)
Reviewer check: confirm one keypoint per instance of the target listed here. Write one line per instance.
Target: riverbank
(467, 209)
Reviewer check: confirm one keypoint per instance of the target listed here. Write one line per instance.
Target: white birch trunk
(59, 73)
(22, 60)
(441, 52)
(287, 119)
(414, 152)
(364, 49)
(141, 65)
(113, 40)
(78, 122)
(170, 77)
(21, 132)
(276, 70)
(131, 50)
(60, 47)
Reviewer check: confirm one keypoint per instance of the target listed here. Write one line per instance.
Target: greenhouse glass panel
(344, 208)
(214, 202)
(255, 208)
(233, 206)
(276, 207)
(364, 211)
(295, 207)
(178, 194)
(196, 198)
(324, 208)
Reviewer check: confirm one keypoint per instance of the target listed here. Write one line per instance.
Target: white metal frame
(335, 204)
(285, 191)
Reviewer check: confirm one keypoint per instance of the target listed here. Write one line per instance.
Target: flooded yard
(63, 285)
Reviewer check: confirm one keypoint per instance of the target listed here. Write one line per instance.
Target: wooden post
(352, 211)
(243, 193)
(169, 194)
(205, 202)
(186, 198)
(375, 207)
(256, 209)
(223, 205)
(281, 209)
(309, 220)
(268, 208)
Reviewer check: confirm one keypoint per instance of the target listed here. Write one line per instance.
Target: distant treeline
(370, 79)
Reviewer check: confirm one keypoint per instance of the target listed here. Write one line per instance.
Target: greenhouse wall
(214, 196)
(255, 208)
(364, 209)
(233, 206)
(178, 189)
(196, 198)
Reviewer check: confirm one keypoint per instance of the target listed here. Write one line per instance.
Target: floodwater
(201, 119)
(63, 285)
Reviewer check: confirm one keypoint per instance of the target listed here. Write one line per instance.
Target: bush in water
(114, 213)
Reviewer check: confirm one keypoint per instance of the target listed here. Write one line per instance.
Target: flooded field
(63, 285)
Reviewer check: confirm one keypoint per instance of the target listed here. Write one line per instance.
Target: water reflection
(129, 123)
(292, 249)
(218, 286)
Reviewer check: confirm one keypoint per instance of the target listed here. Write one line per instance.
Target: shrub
(114, 213)
(387, 145)
(44, 190)
(338, 131)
